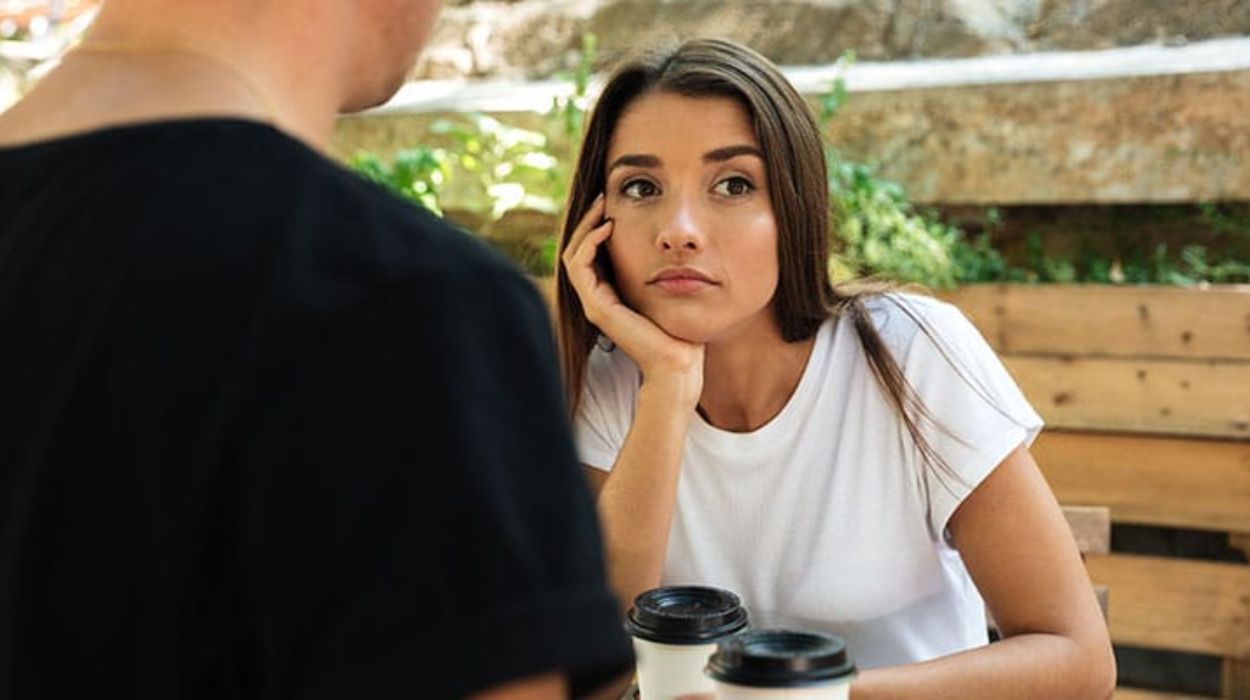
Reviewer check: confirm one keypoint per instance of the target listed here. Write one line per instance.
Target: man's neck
(144, 71)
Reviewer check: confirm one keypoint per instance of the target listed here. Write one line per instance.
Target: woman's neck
(748, 380)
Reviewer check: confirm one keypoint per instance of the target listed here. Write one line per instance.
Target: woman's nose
(681, 229)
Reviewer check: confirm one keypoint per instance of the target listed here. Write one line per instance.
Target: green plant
(568, 113)
(416, 174)
(1196, 266)
(487, 169)
(1224, 221)
(495, 168)
(877, 232)
(490, 169)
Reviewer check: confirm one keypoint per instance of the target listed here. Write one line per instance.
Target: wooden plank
(1145, 480)
(1108, 320)
(1091, 526)
(1177, 604)
(1240, 541)
(1236, 680)
(1136, 694)
(1166, 396)
(1103, 596)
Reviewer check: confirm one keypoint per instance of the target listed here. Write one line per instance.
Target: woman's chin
(687, 329)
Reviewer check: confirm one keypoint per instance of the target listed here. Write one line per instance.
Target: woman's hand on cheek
(667, 363)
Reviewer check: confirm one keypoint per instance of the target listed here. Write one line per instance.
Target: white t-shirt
(825, 518)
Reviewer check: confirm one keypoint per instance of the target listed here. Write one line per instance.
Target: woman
(853, 461)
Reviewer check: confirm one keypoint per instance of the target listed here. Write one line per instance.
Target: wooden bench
(1091, 526)
(1166, 603)
(1146, 396)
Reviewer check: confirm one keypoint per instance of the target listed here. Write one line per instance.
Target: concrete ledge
(1141, 125)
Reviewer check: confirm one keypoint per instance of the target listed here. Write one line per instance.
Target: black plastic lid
(780, 659)
(685, 615)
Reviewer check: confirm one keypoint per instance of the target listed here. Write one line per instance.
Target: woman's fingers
(580, 263)
(584, 227)
(636, 334)
(588, 250)
(580, 255)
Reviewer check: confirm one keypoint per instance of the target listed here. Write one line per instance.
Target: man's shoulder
(280, 190)
(230, 199)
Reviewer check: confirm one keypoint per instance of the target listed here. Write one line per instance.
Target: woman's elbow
(1099, 668)
(1107, 677)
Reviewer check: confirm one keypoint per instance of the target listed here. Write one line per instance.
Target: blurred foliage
(878, 233)
(416, 174)
(33, 37)
(490, 169)
(1127, 261)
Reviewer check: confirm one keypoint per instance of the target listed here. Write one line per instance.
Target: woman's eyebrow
(722, 154)
(636, 160)
(641, 160)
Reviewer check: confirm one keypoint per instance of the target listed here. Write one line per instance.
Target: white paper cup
(668, 671)
(675, 631)
(833, 691)
(781, 665)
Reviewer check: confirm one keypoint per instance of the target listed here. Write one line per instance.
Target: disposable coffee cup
(675, 630)
(777, 664)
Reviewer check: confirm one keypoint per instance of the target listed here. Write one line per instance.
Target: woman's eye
(637, 189)
(733, 187)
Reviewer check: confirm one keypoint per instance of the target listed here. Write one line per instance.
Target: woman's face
(694, 243)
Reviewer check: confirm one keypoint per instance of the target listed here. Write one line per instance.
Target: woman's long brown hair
(789, 137)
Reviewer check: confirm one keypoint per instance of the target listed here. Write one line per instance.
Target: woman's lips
(682, 285)
(681, 280)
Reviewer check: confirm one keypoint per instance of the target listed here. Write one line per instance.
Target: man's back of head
(295, 64)
(266, 430)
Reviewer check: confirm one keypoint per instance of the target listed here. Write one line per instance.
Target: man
(266, 431)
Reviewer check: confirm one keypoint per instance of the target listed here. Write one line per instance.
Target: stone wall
(1158, 139)
(537, 38)
(1145, 125)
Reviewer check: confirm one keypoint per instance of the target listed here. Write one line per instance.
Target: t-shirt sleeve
(414, 521)
(606, 408)
(979, 415)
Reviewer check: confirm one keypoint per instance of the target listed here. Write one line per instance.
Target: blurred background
(1074, 174)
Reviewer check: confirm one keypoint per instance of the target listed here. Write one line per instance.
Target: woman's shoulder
(903, 318)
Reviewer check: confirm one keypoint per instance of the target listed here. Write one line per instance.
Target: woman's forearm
(637, 501)
(1025, 667)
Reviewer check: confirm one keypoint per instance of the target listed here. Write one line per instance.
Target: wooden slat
(1106, 320)
(1236, 680)
(1177, 604)
(1135, 694)
(1091, 526)
(1144, 396)
(1172, 482)
(1240, 541)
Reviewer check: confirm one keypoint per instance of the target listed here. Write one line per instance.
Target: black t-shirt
(267, 431)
